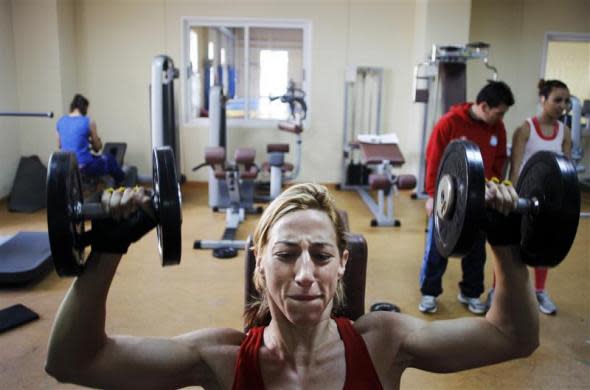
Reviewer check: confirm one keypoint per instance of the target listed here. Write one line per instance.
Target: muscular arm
(519, 140)
(81, 352)
(95, 140)
(509, 330)
(566, 146)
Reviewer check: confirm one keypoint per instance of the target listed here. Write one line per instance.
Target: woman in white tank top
(543, 132)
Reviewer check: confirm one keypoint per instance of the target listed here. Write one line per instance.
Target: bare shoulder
(387, 331)
(212, 338)
(218, 349)
(523, 130)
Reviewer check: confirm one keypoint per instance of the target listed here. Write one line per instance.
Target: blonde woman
(294, 342)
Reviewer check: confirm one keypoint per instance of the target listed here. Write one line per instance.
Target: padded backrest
(117, 150)
(354, 277)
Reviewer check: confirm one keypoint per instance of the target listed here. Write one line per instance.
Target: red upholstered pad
(290, 127)
(287, 167)
(219, 174)
(249, 173)
(377, 153)
(379, 182)
(281, 148)
(406, 182)
(215, 155)
(245, 156)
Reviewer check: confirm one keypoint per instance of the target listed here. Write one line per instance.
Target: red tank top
(360, 372)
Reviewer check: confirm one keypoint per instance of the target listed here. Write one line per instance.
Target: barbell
(549, 204)
(67, 211)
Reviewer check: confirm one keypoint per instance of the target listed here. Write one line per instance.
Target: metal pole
(29, 114)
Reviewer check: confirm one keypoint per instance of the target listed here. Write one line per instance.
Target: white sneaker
(546, 305)
(473, 304)
(428, 304)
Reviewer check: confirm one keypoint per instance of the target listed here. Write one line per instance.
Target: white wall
(36, 50)
(66, 29)
(9, 127)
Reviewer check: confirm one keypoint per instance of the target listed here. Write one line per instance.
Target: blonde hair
(298, 197)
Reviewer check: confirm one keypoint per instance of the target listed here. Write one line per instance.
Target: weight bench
(384, 156)
(354, 278)
(236, 189)
(24, 257)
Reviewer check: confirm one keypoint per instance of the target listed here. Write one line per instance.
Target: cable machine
(440, 83)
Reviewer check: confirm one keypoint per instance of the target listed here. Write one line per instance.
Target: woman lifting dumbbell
(300, 248)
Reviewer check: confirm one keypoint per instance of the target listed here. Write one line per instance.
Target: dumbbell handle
(527, 206)
(93, 210)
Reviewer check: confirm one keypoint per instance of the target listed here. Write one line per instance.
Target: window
(252, 60)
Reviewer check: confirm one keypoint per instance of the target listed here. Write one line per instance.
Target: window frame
(246, 23)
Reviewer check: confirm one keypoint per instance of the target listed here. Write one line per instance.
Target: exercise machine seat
(354, 277)
(278, 148)
(291, 127)
(286, 167)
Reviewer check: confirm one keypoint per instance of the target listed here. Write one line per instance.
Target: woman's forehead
(560, 91)
(312, 225)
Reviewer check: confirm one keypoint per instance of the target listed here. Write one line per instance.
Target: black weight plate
(64, 192)
(547, 237)
(454, 236)
(167, 201)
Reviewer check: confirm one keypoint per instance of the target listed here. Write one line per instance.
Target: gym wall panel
(516, 30)
(9, 127)
(36, 51)
(66, 28)
(117, 41)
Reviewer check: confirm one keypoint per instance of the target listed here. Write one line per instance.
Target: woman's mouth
(304, 297)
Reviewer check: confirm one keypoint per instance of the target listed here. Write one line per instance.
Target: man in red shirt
(480, 123)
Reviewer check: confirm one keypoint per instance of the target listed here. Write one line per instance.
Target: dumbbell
(67, 211)
(549, 204)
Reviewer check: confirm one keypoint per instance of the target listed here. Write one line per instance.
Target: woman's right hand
(131, 217)
(122, 202)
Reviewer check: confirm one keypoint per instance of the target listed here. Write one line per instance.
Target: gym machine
(280, 170)
(440, 83)
(578, 121)
(363, 89)
(231, 184)
(163, 120)
(368, 156)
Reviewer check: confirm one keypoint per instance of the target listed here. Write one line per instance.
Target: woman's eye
(322, 256)
(285, 255)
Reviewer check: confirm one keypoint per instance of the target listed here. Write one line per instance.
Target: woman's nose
(304, 274)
